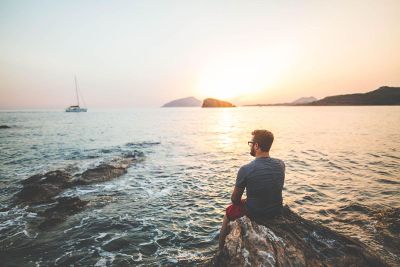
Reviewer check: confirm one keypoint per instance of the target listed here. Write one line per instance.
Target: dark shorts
(234, 212)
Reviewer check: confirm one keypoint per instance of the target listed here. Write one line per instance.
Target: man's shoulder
(279, 161)
(249, 165)
(246, 168)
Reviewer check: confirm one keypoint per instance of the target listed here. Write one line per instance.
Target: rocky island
(216, 103)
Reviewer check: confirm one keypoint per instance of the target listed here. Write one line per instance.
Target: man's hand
(237, 195)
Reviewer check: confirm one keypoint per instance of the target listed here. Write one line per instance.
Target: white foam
(101, 262)
(101, 235)
(140, 257)
(78, 226)
(28, 235)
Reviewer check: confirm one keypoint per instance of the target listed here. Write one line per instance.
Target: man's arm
(237, 195)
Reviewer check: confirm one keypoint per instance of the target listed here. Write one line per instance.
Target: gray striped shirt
(263, 179)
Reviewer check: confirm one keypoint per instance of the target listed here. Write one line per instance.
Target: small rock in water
(65, 206)
(42, 188)
(4, 127)
(101, 173)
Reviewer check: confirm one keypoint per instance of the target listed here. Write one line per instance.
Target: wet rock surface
(290, 240)
(388, 228)
(41, 188)
(64, 207)
(101, 173)
(40, 191)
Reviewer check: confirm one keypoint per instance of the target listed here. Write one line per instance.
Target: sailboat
(76, 108)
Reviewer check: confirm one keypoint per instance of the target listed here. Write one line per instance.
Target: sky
(128, 54)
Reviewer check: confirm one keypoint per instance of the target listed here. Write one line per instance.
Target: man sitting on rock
(263, 179)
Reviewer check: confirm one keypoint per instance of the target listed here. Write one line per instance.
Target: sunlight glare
(233, 76)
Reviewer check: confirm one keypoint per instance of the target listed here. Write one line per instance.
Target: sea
(342, 171)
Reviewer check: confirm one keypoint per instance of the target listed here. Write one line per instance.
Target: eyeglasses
(250, 143)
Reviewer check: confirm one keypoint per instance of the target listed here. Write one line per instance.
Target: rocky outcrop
(101, 173)
(4, 127)
(42, 188)
(216, 103)
(289, 240)
(64, 207)
(183, 102)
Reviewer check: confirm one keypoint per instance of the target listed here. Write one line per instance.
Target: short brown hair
(263, 138)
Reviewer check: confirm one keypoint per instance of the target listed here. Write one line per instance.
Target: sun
(235, 77)
(228, 82)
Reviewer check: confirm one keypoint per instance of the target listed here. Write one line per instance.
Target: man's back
(263, 179)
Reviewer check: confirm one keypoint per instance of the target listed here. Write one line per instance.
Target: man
(263, 179)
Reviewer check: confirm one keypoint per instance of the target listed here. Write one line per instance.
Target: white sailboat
(76, 108)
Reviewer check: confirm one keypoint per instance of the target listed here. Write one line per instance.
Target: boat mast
(76, 90)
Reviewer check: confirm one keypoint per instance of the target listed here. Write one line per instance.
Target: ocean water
(342, 170)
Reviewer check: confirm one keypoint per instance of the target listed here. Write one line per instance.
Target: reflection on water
(341, 170)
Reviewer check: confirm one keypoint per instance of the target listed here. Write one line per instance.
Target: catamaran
(76, 108)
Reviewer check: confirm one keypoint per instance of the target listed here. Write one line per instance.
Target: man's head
(261, 142)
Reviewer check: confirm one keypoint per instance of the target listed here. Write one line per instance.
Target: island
(183, 102)
(216, 103)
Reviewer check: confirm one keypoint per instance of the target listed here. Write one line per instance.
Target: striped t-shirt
(263, 179)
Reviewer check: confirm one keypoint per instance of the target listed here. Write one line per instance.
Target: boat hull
(76, 110)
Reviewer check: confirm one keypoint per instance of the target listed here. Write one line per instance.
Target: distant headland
(384, 95)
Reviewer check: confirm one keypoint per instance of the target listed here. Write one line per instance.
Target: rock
(184, 102)
(101, 173)
(42, 188)
(387, 225)
(36, 193)
(107, 171)
(216, 103)
(4, 127)
(58, 177)
(289, 240)
(65, 206)
(116, 244)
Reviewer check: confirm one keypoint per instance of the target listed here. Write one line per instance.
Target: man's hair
(263, 138)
